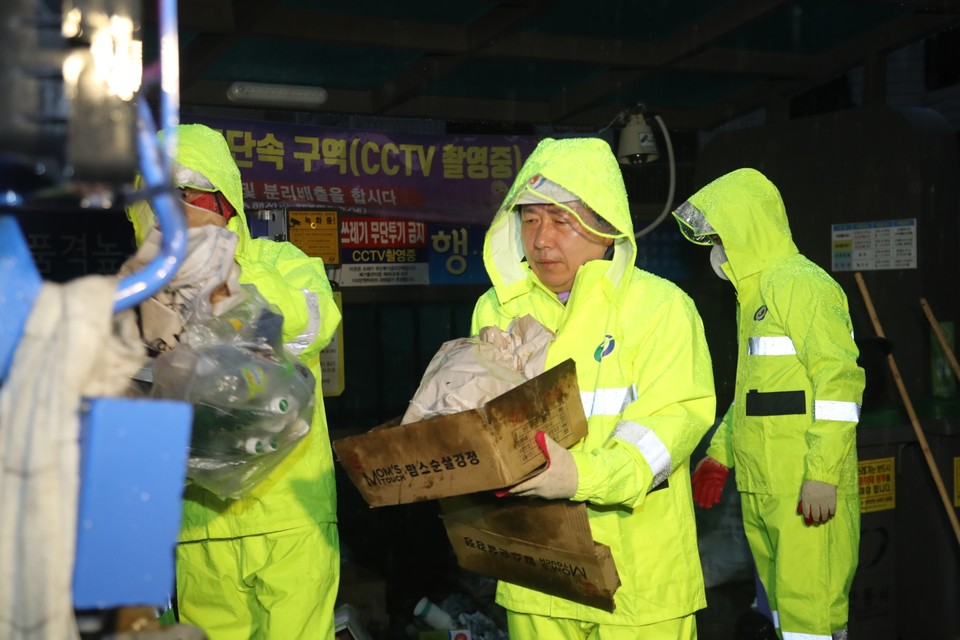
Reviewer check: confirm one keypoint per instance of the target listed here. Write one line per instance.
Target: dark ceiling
(697, 63)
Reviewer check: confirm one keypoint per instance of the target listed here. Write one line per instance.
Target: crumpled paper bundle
(205, 284)
(467, 372)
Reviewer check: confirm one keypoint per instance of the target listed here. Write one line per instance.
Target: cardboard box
(461, 458)
(544, 545)
(477, 450)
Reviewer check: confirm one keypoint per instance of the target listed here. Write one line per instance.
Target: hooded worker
(791, 430)
(562, 249)
(265, 565)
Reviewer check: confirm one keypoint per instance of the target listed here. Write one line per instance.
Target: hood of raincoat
(202, 150)
(584, 166)
(745, 209)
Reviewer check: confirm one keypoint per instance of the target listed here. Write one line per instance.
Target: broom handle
(942, 338)
(934, 470)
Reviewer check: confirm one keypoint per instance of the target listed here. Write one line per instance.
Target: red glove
(708, 480)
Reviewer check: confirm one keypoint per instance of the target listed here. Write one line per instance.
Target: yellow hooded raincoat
(301, 490)
(646, 384)
(796, 402)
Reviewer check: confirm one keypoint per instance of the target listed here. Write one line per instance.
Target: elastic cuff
(584, 466)
(821, 476)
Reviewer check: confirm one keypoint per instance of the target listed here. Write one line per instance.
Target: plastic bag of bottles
(252, 400)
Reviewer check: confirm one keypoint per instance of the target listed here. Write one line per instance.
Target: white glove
(558, 480)
(818, 502)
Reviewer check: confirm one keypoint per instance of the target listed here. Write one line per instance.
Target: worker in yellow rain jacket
(791, 430)
(265, 565)
(562, 249)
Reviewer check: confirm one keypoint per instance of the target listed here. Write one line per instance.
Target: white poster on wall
(874, 246)
(331, 358)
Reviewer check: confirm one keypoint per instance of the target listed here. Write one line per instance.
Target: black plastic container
(928, 556)
(882, 435)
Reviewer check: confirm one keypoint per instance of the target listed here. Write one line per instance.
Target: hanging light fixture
(637, 143)
(276, 95)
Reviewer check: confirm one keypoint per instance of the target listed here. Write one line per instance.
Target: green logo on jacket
(605, 347)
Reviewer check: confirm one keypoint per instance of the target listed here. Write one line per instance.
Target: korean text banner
(380, 251)
(461, 179)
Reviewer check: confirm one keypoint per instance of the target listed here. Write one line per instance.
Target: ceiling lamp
(276, 95)
(637, 144)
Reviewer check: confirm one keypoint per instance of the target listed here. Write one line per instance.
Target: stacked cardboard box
(462, 458)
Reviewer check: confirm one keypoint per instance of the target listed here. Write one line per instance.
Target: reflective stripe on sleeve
(836, 410)
(649, 445)
(770, 346)
(789, 635)
(607, 402)
(306, 338)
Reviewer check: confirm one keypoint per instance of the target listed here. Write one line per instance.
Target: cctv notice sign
(389, 252)
(316, 233)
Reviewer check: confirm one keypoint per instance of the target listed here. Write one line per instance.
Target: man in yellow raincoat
(562, 249)
(265, 565)
(791, 430)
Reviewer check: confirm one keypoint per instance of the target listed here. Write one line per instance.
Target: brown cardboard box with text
(462, 458)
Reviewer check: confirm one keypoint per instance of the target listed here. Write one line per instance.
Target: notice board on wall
(874, 246)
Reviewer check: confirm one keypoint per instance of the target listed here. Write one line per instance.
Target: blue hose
(155, 169)
(137, 287)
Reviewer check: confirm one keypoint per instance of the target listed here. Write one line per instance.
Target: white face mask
(717, 257)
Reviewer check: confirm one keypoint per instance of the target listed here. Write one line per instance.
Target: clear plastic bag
(253, 401)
